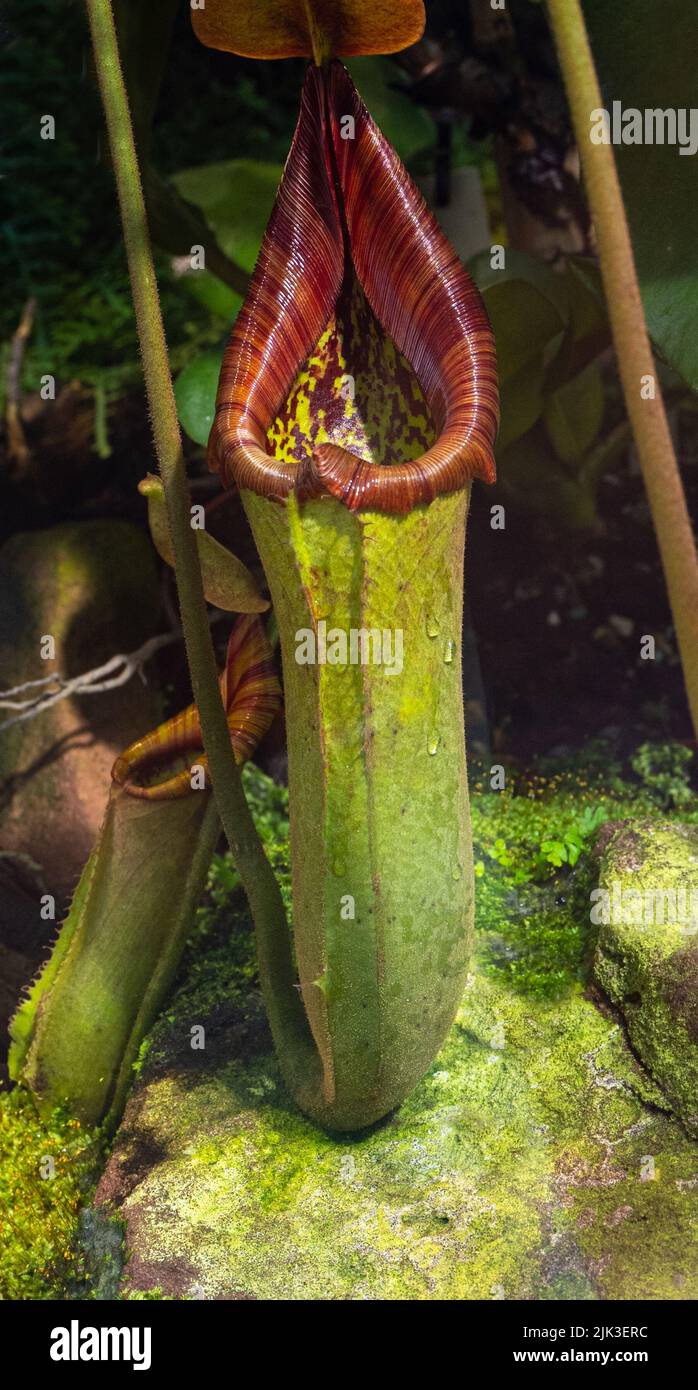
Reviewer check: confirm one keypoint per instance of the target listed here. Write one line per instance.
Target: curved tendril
(251, 694)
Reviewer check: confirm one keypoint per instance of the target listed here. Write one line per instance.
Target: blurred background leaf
(573, 415)
(145, 34)
(382, 84)
(195, 393)
(236, 197)
(531, 479)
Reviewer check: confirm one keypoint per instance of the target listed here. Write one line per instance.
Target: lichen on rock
(517, 1169)
(646, 957)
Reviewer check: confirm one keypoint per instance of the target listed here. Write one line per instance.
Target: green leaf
(195, 393)
(407, 126)
(144, 33)
(646, 59)
(524, 321)
(555, 852)
(236, 197)
(522, 267)
(527, 305)
(590, 820)
(573, 415)
(531, 478)
(588, 331)
(215, 296)
(177, 226)
(548, 327)
(521, 402)
(228, 583)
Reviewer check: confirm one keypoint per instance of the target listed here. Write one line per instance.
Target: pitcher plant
(357, 403)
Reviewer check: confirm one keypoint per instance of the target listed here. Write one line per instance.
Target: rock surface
(93, 587)
(646, 957)
(536, 1160)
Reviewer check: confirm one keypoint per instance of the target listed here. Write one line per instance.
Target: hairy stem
(285, 1010)
(648, 418)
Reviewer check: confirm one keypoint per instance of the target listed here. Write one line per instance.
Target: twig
(118, 669)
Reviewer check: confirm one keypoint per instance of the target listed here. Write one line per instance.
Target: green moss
(514, 1170)
(639, 1231)
(150, 1296)
(665, 771)
(533, 917)
(39, 1214)
(537, 1158)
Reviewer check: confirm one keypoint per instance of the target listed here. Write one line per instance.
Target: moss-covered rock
(48, 1168)
(646, 957)
(532, 1162)
(536, 1160)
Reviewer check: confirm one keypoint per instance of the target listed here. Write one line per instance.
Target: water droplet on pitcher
(449, 650)
(433, 744)
(433, 627)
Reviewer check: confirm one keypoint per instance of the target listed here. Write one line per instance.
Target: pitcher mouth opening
(350, 226)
